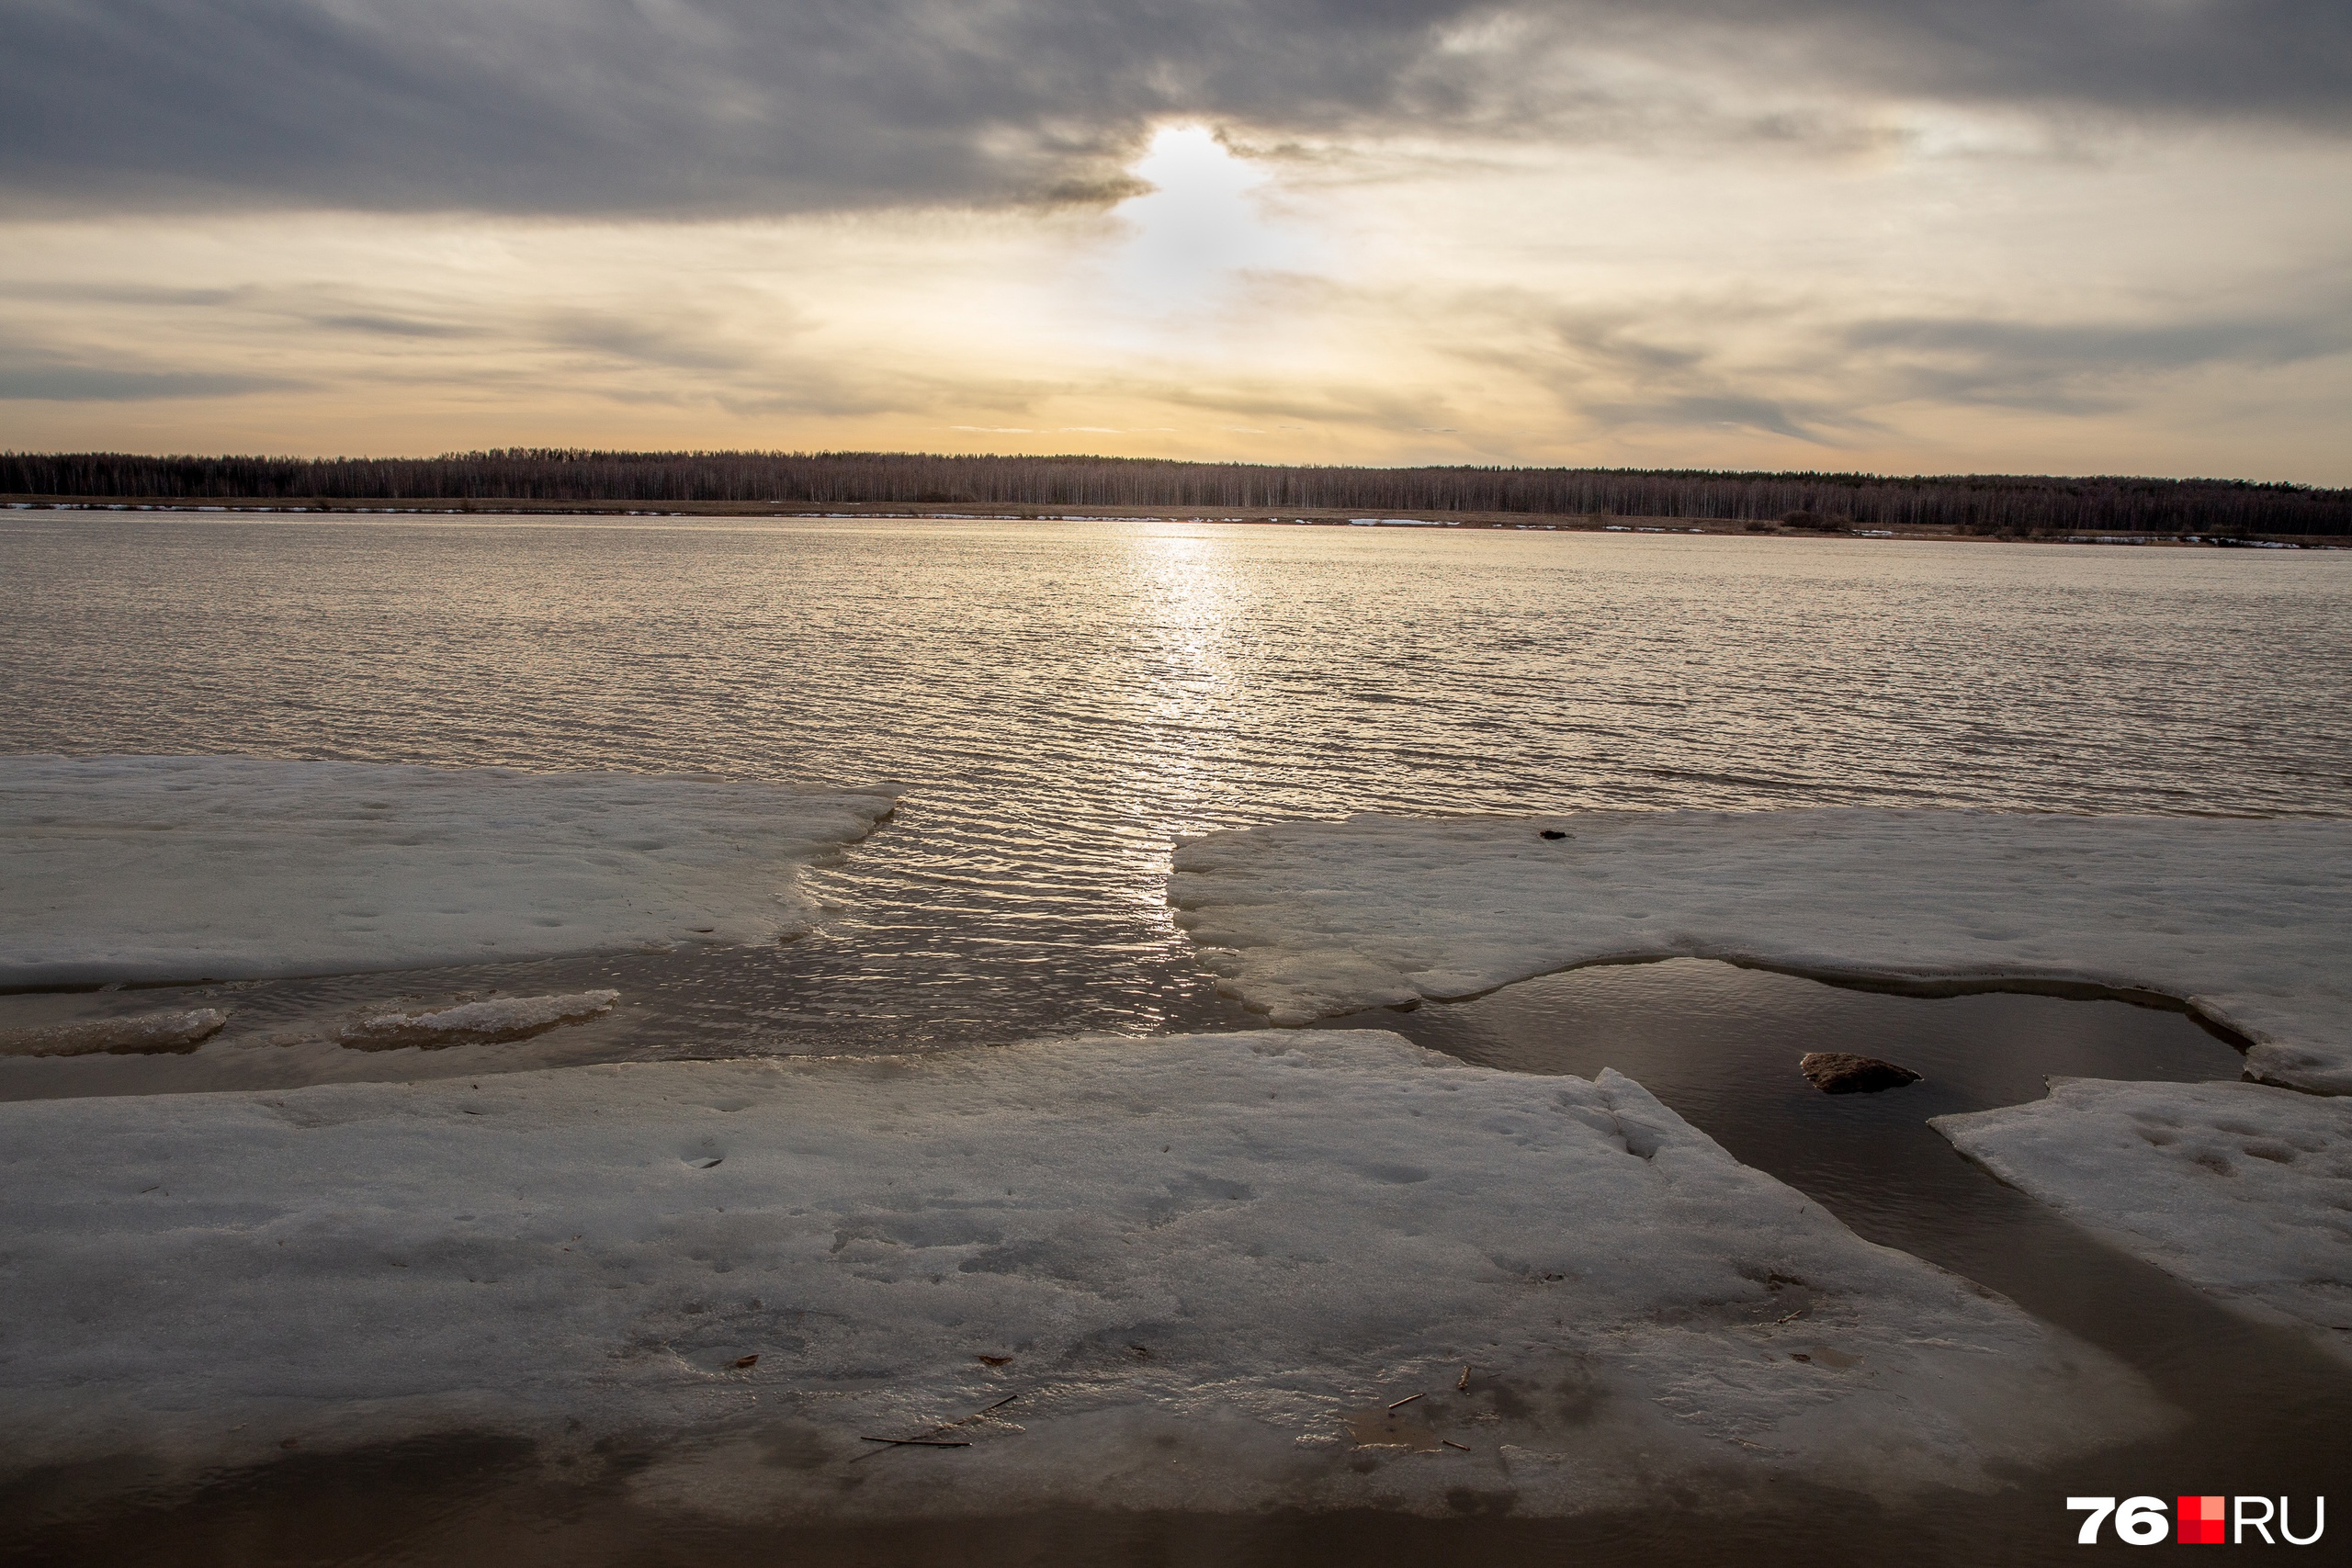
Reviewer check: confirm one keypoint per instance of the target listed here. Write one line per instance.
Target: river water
(1060, 700)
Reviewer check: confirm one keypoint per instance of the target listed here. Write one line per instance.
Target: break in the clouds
(2069, 235)
(734, 106)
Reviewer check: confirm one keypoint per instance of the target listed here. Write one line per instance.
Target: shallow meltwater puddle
(1722, 1045)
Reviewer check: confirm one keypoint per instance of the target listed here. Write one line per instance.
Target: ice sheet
(183, 868)
(2249, 920)
(2242, 1190)
(468, 1023)
(1197, 1260)
(173, 1030)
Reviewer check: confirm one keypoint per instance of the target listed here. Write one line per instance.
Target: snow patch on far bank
(185, 868)
(1197, 1262)
(476, 1024)
(2242, 1190)
(2250, 921)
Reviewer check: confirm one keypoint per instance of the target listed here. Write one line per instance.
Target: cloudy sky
(1940, 235)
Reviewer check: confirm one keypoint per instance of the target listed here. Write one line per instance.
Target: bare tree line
(1982, 502)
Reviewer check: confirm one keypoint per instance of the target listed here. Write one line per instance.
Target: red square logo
(2199, 1520)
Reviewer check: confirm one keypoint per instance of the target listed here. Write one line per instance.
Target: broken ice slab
(2249, 922)
(1192, 1257)
(190, 868)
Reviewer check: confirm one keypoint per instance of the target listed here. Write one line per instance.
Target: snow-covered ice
(2250, 921)
(1199, 1262)
(2242, 1190)
(474, 1024)
(181, 868)
(175, 1029)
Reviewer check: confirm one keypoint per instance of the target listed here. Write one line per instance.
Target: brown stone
(1842, 1072)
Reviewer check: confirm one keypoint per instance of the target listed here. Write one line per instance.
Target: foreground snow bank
(2249, 920)
(2242, 1190)
(1201, 1263)
(180, 868)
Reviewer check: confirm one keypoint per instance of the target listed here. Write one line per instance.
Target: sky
(2070, 236)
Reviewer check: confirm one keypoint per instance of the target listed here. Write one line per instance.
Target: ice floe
(2242, 1190)
(177, 1030)
(475, 1023)
(183, 868)
(1201, 1268)
(2250, 921)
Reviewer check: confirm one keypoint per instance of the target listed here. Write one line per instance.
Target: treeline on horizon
(1980, 502)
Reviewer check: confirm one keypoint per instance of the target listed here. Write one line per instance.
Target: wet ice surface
(2243, 1189)
(1191, 1262)
(146, 1032)
(847, 990)
(143, 869)
(1722, 1044)
(486, 1021)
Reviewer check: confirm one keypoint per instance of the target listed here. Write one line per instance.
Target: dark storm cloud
(714, 106)
(2289, 60)
(662, 106)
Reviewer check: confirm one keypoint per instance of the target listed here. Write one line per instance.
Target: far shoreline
(972, 511)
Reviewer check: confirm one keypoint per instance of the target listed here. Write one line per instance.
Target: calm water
(1061, 699)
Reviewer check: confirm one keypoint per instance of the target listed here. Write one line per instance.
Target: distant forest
(1984, 503)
